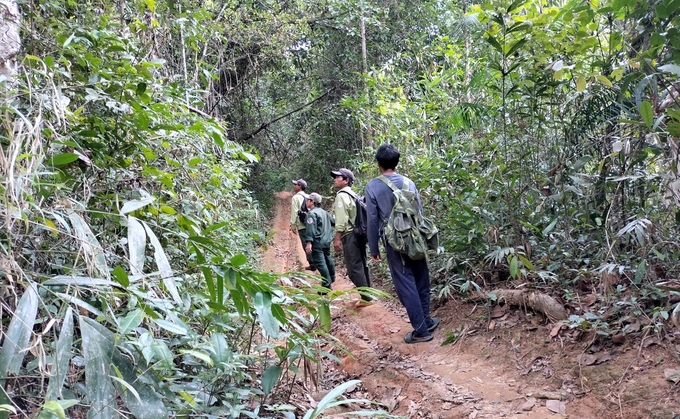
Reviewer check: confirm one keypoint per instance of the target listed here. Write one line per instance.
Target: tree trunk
(9, 37)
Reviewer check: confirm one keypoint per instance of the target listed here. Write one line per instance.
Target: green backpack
(406, 229)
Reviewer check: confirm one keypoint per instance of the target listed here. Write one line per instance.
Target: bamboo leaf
(171, 327)
(513, 266)
(526, 262)
(324, 314)
(199, 355)
(136, 204)
(126, 386)
(220, 348)
(549, 228)
(93, 251)
(62, 358)
(18, 332)
(82, 304)
(647, 113)
(149, 404)
(330, 398)
(130, 322)
(121, 276)
(98, 347)
(163, 264)
(81, 281)
(269, 378)
(136, 245)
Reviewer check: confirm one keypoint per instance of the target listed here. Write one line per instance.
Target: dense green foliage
(142, 142)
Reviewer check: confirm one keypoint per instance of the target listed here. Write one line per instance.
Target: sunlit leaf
(62, 358)
(130, 322)
(198, 355)
(580, 83)
(90, 245)
(136, 204)
(171, 327)
(18, 332)
(604, 80)
(163, 264)
(97, 350)
(136, 245)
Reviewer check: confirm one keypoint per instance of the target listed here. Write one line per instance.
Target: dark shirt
(379, 203)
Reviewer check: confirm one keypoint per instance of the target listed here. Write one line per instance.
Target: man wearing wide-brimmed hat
(297, 223)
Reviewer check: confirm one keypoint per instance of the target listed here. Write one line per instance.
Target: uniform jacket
(319, 228)
(295, 206)
(345, 210)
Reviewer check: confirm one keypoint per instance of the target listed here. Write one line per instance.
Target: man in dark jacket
(411, 277)
(318, 237)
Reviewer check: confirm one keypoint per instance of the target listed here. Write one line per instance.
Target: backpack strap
(387, 182)
(404, 186)
(355, 198)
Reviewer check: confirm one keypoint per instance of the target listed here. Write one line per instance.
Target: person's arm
(310, 231)
(294, 208)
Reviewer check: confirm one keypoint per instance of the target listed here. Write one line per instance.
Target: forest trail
(512, 367)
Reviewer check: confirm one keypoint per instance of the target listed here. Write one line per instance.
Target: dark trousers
(412, 283)
(302, 233)
(324, 263)
(354, 252)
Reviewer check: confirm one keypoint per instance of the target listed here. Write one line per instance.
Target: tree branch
(278, 118)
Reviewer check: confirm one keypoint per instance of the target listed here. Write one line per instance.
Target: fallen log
(537, 301)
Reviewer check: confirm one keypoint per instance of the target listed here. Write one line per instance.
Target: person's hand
(308, 248)
(337, 245)
(293, 229)
(376, 258)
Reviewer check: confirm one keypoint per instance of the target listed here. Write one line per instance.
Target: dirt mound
(506, 363)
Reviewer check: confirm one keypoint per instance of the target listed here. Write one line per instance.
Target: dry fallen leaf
(498, 311)
(586, 359)
(556, 406)
(672, 375)
(529, 404)
(555, 330)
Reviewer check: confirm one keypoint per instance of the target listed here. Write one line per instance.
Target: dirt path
(511, 367)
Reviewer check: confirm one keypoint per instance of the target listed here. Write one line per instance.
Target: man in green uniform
(352, 246)
(297, 226)
(319, 234)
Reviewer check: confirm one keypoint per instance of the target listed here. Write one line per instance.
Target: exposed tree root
(534, 300)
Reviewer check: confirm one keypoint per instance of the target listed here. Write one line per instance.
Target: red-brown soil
(516, 365)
